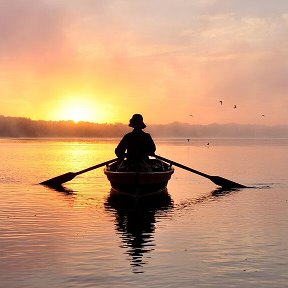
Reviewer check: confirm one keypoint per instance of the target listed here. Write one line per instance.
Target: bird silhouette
(235, 107)
(221, 102)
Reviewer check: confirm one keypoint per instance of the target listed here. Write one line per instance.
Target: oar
(225, 183)
(58, 180)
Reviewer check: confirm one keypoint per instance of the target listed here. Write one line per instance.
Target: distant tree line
(15, 127)
(25, 127)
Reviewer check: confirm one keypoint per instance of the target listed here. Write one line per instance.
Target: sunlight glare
(82, 109)
(78, 111)
(79, 114)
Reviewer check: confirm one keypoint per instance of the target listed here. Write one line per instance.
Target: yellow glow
(82, 108)
(79, 114)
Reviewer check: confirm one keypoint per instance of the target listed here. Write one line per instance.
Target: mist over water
(24, 127)
(196, 236)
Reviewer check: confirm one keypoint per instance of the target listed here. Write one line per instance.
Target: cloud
(28, 26)
(196, 50)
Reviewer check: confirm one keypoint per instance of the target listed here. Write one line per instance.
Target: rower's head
(137, 122)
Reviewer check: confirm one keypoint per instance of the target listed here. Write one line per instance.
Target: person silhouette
(138, 145)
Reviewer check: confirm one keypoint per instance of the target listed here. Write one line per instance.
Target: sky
(170, 60)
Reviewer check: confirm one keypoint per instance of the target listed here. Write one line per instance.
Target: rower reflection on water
(135, 221)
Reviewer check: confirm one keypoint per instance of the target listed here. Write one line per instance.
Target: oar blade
(225, 183)
(57, 181)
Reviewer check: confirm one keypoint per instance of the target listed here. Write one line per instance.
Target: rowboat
(139, 183)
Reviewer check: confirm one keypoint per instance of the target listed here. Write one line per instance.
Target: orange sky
(102, 61)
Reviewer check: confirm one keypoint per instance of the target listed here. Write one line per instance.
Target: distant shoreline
(19, 127)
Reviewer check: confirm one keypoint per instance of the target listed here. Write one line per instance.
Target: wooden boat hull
(138, 184)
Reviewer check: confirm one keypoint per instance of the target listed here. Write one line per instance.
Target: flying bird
(235, 107)
(221, 102)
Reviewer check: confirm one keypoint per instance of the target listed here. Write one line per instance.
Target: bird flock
(234, 107)
(221, 103)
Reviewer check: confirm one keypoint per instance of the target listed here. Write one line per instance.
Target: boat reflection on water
(135, 222)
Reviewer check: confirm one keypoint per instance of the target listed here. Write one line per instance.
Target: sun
(81, 108)
(76, 110)
(79, 113)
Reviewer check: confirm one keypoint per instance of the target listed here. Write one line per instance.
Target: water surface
(195, 236)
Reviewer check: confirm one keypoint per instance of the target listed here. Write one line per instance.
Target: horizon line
(151, 124)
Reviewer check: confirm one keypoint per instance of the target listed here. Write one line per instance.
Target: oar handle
(182, 166)
(96, 166)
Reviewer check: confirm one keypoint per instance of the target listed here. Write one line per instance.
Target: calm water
(197, 236)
